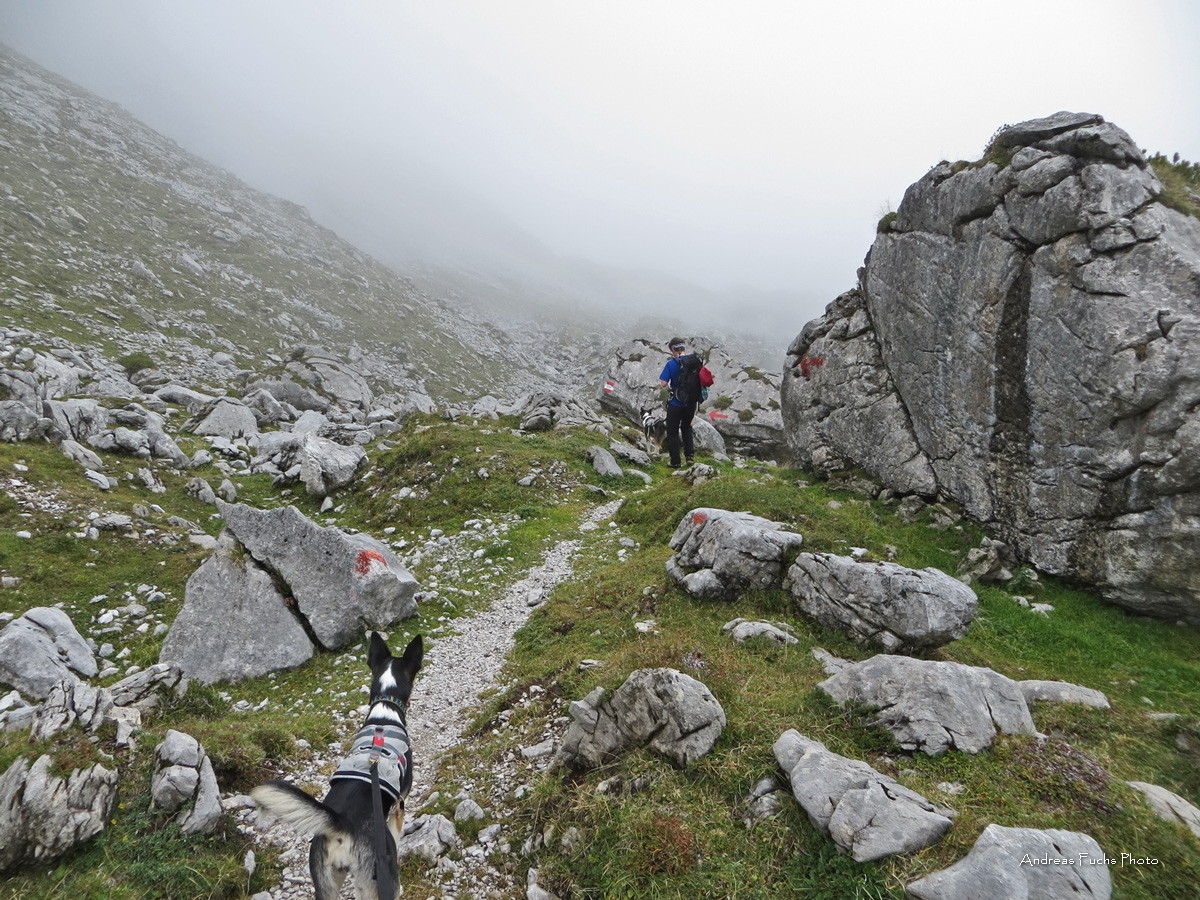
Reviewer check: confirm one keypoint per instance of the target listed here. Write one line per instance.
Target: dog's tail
(298, 809)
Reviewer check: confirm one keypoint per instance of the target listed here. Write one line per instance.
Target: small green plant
(133, 363)
(745, 415)
(722, 402)
(1181, 183)
(886, 222)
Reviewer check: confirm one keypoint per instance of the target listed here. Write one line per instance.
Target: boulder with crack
(663, 709)
(719, 554)
(235, 622)
(882, 604)
(183, 777)
(46, 816)
(933, 706)
(278, 587)
(1024, 340)
(867, 814)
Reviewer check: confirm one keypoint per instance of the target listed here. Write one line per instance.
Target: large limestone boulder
(867, 814)
(882, 604)
(234, 622)
(663, 709)
(1022, 862)
(43, 816)
(342, 583)
(933, 706)
(41, 648)
(719, 554)
(1024, 339)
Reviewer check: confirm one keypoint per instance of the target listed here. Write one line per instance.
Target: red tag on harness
(377, 741)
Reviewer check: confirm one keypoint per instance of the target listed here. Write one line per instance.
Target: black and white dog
(654, 426)
(368, 788)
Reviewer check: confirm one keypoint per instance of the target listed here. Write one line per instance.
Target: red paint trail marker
(370, 562)
(609, 387)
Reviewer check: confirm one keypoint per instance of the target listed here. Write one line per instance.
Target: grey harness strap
(392, 763)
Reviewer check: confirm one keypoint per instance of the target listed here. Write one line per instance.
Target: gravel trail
(457, 669)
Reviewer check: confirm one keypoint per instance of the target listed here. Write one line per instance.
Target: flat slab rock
(1025, 863)
(934, 706)
(864, 812)
(882, 604)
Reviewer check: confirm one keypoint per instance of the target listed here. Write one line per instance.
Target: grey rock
(467, 810)
(742, 630)
(146, 689)
(342, 584)
(183, 774)
(326, 467)
(224, 417)
(19, 423)
(603, 462)
(1169, 806)
(193, 401)
(867, 814)
(933, 706)
(200, 489)
(234, 623)
(41, 648)
(428, 837)
(1004, 863)
(77, 419)
(882, 604)
(46, 816)
(1015, 333)
(663, 709)
(71, 701)
(719, 553)
(80, 454)
(286, 391)
(1062, 692)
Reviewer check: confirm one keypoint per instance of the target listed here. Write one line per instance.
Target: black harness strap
(383, 881)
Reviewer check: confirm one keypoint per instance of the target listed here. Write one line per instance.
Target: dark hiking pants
(679, 422)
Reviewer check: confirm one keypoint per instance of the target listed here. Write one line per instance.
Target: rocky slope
(1024, 339)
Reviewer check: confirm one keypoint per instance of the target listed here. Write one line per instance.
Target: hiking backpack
(693, 380)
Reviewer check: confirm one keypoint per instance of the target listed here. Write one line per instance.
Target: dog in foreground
(367, 790)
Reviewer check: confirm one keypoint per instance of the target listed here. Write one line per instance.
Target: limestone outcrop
(1024, 339)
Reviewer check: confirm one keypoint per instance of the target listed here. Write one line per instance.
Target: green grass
(683, 836)
(1181, 183)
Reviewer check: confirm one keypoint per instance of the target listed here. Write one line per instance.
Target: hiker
(681, 407)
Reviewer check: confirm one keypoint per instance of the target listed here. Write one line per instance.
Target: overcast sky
(730, 143)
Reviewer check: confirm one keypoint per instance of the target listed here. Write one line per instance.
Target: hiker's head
(677, 345)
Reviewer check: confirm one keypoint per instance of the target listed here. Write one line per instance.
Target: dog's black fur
(654, 426)
(343, 834)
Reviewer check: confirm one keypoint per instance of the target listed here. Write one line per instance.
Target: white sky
(730, 143)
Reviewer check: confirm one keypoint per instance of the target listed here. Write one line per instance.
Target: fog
(736, 145)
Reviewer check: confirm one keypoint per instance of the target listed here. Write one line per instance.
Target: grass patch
(1181, 183)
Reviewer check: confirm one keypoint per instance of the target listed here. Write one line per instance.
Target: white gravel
(458, 668)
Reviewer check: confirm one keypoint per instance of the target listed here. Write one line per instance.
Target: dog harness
(387, 750)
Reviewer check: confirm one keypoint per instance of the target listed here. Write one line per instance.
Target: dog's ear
(414, 655)
(378, 655)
